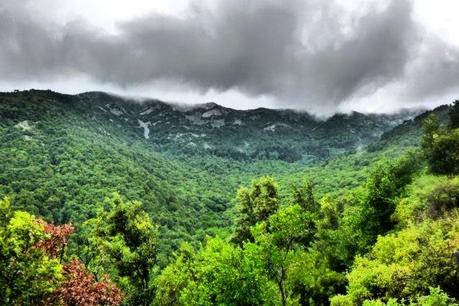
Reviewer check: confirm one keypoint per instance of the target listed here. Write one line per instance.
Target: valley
(67, 158)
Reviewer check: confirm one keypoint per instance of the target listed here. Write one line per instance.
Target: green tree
(454, 115)
(27, 274)
(335, 237)
(444, 155)
(303, 195)
(255, 204)
(406, 264)
(431, 130)
(220, 273)
(377, 202)
(274, 267)
(280, 242)
(124, 241)
(175, 277)
(312, 280)
(437, 298)
(441, 146)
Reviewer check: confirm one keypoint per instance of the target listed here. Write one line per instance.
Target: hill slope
(62, 155)
(210, 128)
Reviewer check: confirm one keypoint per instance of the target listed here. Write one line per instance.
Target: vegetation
(105, 218)
(123, 239)
(441, 146)
(33, 266)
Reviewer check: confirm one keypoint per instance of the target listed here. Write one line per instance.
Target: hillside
(60, 151)
(87, 159)
(241, 135)
(212, 129)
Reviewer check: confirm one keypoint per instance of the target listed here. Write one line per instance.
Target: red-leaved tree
(59, 235)
(79, 286)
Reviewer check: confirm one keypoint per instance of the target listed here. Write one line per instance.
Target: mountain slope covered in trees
(64, 154)
(334, 211)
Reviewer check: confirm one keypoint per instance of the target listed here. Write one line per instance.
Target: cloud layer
(310, 55)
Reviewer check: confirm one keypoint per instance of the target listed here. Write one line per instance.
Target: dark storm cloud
(433, 71)
(303, 53)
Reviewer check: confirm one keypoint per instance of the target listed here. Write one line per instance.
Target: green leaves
(255, 205)
(27, 274)
(444, 155)
(441, 146)
(219, 273)
(276, 266)
(124, 240)
(454, 115)
(407, 263)
(290, 225)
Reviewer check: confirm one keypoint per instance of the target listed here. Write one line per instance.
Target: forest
(92, 213)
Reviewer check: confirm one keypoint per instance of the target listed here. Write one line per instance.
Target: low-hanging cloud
(306, 54)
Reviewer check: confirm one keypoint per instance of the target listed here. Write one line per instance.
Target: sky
(312, 55)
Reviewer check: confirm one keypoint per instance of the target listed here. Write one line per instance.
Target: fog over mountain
(320, 56)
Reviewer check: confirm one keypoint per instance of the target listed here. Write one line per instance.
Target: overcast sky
(314, 55)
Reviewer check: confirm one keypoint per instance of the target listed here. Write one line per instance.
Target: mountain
(106, 199)
(212, 129)
(242, 135)
(63, 154)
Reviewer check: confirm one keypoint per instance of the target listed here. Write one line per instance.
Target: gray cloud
(305, 54)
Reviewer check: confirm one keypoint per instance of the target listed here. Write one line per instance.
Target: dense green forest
(179, 207)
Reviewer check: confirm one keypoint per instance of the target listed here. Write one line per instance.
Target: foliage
(428, 196)
(407, 263)
(63, 155)
(444, 156)
(220, 273)
(437, 298)
(31, 267)
(441, 146)
(255, 205)
(328, 220)
(454, 115)
(368, 211)
(431, 130)
(444, 198)
(57, 238)
(386, 183)
(123, 240)
(27, 273)
(274, 267)
(80, 288)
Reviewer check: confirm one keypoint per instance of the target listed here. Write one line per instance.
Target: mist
(307, 55)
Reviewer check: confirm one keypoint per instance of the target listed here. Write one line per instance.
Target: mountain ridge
(212, 129)
(211, 104)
